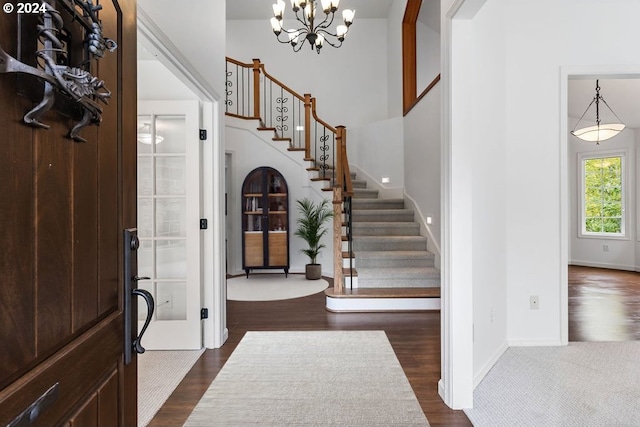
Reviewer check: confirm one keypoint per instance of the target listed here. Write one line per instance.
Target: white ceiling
(622, 95)
(261, 9)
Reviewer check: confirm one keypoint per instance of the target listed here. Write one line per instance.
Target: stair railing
(253, 94)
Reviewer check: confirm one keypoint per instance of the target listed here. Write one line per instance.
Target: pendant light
(599, 132)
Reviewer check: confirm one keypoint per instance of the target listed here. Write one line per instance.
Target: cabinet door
(253, 230)
(278, 214)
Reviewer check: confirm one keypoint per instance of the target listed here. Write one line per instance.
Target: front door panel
(64, 206)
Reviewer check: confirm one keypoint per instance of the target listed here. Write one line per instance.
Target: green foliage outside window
(603, 195)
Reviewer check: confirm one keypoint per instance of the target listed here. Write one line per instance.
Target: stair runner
(388, 248)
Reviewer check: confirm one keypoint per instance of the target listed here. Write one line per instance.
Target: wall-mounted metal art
(61, 63)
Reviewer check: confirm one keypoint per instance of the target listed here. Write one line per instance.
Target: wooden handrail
(236, 62)
(279, 83)
(319, 120)
(423, 94)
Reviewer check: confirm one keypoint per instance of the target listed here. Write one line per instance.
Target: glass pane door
(165, 193)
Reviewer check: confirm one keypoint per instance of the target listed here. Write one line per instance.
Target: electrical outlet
(534, 302)
(605, 248)
(491, 314)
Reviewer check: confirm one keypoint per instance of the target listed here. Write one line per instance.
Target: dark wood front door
(63, 207)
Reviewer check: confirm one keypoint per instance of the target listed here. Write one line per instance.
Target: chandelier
(599, 132)
(314, 31)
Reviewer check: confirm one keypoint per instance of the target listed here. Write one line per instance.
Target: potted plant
(311, 229)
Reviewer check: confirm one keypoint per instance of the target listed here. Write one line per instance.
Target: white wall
(520, 48)
(348, 83)
(421, 128)
(250, 149)
(157, 83)
(427, 56)
(380, 153)
(489, 198)
(589, 251)
(394, 57)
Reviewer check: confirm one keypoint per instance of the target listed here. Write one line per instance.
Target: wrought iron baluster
(324, 148)
(281, 109)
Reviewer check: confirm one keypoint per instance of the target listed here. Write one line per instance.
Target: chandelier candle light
(599, 132)
(317, 34)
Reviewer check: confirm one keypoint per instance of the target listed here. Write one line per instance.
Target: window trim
(582, 233)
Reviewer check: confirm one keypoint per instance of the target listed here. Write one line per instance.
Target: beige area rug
(272, 287)
(310, 378)
(159, 373)
(585, 384)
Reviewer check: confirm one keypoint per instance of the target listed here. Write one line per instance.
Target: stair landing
(382, 299)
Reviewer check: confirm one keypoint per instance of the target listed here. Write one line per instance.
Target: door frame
(567, 72)
(212, 162)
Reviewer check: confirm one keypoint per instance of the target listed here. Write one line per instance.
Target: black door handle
(130, 279)
(137, 346)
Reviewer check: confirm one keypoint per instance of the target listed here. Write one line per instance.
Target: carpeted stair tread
(389, 243)
(356, 183)
(364, 193)
(395, 255)
(399, 273)
(395, 259)
(382, 215)
(395, 228)
(362, 203)
(398, 277)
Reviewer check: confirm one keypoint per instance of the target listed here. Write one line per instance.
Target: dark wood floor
(604, 305)
(415, 338)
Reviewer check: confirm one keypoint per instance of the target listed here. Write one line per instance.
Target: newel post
(307, 126)
(256, 88)
(338, 277)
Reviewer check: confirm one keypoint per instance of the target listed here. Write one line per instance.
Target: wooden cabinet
(265, 220)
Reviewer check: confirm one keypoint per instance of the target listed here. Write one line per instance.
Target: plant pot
(313, 271)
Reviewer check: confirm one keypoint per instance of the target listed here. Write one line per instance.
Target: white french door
(168, 222)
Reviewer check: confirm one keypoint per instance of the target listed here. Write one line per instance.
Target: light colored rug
(310, 378)
(159, 373)
(271, 287)
(584, 384)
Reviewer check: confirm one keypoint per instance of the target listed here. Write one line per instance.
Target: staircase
(387, 245)
(393, 268)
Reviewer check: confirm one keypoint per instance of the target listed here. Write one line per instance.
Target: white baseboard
(534, 343)
(432, 245)
(381, 304)
(479, 376)
(441, 390)
(605, 265)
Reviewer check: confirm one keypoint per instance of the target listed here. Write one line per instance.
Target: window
(603, 194)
